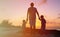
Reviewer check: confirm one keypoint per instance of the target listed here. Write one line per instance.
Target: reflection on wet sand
(18, 32)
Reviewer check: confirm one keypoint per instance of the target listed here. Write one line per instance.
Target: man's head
(32, 4)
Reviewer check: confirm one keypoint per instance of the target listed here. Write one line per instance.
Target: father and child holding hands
(31, 16)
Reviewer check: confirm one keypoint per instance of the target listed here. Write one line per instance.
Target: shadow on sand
(38, 33)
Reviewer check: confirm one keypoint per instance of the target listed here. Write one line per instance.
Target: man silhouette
(31, 15)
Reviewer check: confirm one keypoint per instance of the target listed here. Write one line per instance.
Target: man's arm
(37, 13)
(38, 16)
(27, 14)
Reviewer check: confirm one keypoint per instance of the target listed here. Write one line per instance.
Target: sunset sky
(16, 10)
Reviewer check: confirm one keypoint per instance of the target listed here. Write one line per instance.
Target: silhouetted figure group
(31, 16)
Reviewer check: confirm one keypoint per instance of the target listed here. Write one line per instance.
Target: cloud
(43, 2)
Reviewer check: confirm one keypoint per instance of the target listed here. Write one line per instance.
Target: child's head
(23, 20)
(42, 16)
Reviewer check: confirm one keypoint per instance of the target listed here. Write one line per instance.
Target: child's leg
(43, 27)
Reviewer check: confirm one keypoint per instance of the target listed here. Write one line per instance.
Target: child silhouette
(43, 22)
(24, 24)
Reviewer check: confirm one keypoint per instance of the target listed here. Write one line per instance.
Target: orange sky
(16, 10)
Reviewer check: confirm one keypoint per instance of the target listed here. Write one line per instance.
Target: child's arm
(39, 18)
(26, 21)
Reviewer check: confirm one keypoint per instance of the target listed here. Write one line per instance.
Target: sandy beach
(17, 32)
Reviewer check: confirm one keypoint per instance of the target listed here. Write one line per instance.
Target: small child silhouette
(24, 24)
(43, 22)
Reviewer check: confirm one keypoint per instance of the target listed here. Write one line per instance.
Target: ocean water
(6, 32)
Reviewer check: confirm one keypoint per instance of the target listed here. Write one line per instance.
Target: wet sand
(18, 32)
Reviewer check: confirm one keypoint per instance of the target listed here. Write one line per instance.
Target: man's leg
(34, 27)
(30, 27)
(30, 21)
